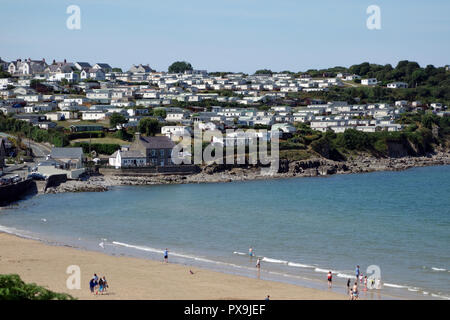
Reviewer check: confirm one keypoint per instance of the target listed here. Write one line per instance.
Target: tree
(4, 74)
(116, 70)
(159, 113)
(116, 118)
(148, 126)
(263, 71)
(180, 67)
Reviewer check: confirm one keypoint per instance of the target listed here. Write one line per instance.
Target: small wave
(438, 269)
(240, 253)
(321, 270)
(299, 265)
(265, 259)
(440, 297)
(343, 275)
(17, 232)
(395, 286)
(148, 249)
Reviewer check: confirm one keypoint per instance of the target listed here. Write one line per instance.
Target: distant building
(141, 69)
(69, 158)
(369, 82)
(397, 85)
(157, 150)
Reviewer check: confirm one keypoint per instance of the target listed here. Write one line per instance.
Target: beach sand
(133, 278)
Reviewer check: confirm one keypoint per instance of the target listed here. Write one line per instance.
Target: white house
(176, 130)
(93, 115)
(369, 82)
(127, 158)
(397, 85)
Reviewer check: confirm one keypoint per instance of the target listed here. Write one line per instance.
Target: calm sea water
(301, 227)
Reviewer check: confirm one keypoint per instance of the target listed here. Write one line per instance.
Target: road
(39, 150)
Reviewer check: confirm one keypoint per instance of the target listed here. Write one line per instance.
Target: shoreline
(317, 167)
(150, 279)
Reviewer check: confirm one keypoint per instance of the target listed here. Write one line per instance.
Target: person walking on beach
(330, 278)
(355, 291)
(365, 283)
(348, 286)
(258, 264)
(105, 284)
(357, 272)
(92, 285)
(166, 256)
(100, 286)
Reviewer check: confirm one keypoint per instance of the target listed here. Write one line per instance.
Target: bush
(13, 288)
(87, 134)
(100, 148)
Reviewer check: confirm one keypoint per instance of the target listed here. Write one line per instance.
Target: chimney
(43, 59)
(65, 61)
(138, 136)
(54, 61)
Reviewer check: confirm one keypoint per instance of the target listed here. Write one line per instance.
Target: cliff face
(397, 150)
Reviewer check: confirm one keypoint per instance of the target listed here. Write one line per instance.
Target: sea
(394, 223)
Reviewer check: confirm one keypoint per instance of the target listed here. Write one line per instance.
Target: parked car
(36, 176)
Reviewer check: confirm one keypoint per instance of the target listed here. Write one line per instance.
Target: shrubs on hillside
(13, 288)
(100, 148)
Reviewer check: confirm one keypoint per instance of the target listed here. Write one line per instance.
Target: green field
(106, 140)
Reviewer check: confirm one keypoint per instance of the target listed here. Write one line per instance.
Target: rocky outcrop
(227, 173)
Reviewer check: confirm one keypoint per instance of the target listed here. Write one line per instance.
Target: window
(153, 152)
(161, 153)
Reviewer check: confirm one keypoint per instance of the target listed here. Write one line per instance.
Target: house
(27, 67)
(141, 69)
(178, 131)
(70, 158)
(54, 116)
(352, 77)
(85, 128)
(103, 66)
(127, 158)
(369, 82)
(82, 65)
(93, 115)
(397, 85)
(93, 74)
(157, 150)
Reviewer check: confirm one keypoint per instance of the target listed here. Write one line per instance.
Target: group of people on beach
(98, 285)
(352, 291)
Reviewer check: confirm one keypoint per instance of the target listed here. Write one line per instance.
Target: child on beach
(258, 263)
(365, 283)
(100, 286)
(348, 286)
(250, 252)
(355, 291)
(166, 256)
(329, 278)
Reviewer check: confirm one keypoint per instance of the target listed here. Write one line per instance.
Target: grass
(68, 123)
(295, 155)
(106, 140)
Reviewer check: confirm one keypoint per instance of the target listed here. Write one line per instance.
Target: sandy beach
(132, 278)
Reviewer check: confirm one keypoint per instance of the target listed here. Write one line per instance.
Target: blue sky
(227, 35)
